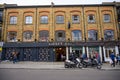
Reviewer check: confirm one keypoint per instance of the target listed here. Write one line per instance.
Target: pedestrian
(118, 59)
(18, 56)
(84, 56)
(14, 57)
(98, 57)
(112, 57)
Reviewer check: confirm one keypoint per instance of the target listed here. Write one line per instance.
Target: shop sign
(59, 44)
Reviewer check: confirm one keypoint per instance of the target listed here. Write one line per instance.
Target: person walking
(112, 57)
(98, 57)
(14, 57)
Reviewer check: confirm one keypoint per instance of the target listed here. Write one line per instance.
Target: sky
(56, 2)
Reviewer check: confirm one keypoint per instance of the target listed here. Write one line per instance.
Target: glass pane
(13, 20)
(28, 19)
(91, 18)
(108, 34)
(106, 18)
(12, 36)
(75, 19)
(27, 35)
(59, 19)
(43, 36)
(60, 36)
(44, 19)
(76, 35)
(92, 35)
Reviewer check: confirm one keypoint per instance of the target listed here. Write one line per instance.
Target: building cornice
(44, 6)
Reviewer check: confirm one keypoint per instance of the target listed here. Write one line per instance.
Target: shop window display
(43, 54)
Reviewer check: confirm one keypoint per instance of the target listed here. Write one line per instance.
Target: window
(108, 51)
(60, 35)
(60, 19)
(27, 35)
(1, 14)
(106, 18)
(75, 19)
(28, 20)
(44, 36)
(76, 35)
(44, 19)
(13, 20)
(91, 18)
(92, 35)
(12, 36)
(108, 35)
(93, 50)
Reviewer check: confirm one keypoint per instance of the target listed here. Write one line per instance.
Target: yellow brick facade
(53, 47)
(67, 12)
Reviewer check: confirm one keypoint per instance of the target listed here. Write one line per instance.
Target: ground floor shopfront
(58, 51)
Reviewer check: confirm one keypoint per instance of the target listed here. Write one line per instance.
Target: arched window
(60, 19)
(44, 19)
(76, 35)
(12, 36)
(75, 19)
(28, 20)
(91, 18)
(27, 36)
(106, 18)
(13, 20)
(60, 35)
(44, 36)
(108, 35)
(92, 35)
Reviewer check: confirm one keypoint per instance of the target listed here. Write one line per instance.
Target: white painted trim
(87, 52)
(70, 49)
(116, 50)
(104, 53)
(83, 50)
(100, 53)
(67, 53)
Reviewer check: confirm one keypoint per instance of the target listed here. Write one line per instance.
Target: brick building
(52, 32)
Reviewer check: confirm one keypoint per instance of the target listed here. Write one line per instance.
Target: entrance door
(107, 53)
(60, 54)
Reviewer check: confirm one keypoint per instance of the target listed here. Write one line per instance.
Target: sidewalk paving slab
(45, 65)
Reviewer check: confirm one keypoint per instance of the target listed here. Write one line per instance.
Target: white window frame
(28, 20)
(75, 19)
(13, 20)
(91, 18)
(44, 19)
(59, 19)
(106, 18)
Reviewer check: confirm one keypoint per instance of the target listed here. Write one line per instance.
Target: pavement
(46, 65)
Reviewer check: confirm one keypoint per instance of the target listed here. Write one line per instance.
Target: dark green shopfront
(57, 51)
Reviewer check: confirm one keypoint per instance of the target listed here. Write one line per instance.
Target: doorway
(60, 53)
(108, 51)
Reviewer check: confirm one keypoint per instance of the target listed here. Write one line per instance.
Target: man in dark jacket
(112, 57)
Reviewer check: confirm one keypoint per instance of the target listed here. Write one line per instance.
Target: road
(67, 74)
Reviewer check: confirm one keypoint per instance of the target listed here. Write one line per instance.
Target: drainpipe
(84, 47)
(36, 30)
